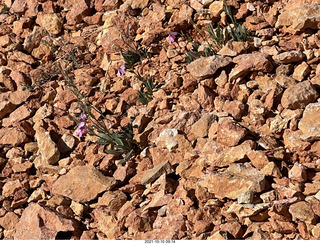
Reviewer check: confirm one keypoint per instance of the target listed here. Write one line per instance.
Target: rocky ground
(230, 143)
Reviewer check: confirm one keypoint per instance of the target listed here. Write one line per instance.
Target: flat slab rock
(237, 179)
(42, 223)
(310, 122)
(82, 184)
(154, 173)
(204, 67)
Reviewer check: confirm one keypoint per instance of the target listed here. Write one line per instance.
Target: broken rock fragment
(299, 95)
(310, 122)
(156, 172)
(82, 184)
(237, 179)
(42, 223)
(205, 67)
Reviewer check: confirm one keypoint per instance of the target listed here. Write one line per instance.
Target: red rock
(75, 184)
(173, 223)
(152, 174)
(41, 223)
(297, 17)
(283, 227)
(299, 96)
(88, 235)
(6, 108)
(66, 143)
(205, 97)
(243, 178)
(301, 71)
(21, 113)
(298, 173)
(310, 123)
(251, 62)
(9, 221)
(258, 159)
(12, 137)
(78, 11)
(19, 6)
(289, 57)
(235, 108)
(202, 226)
(221, 156)
(302, 211)
(230, 133)
(114, 200)
(123, 172)
(234, 228)
(107, 224)
(47, 148)
(141, 4)
(201, 127)
(205, 67)
(292, 141)
(103, 6)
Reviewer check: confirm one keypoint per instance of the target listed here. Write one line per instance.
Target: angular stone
(43, 112)
(234, 228)
(6, 108)
(201, 127)
(258, 159)
(236, 180)
(9, 221)
(289, 57)
(168, 223)
(154, 173)
(21, 113)
(298, 173)
(205, 97)
(254, 62)
(216, 8)
(201, 226)
(114, 200)
(299, 95)
(222, 158)
(66, 143)
(138, 3)
(293, 140)
(205, 67)
(298, 17)
(310, 122)
(107, 224)
(230, 133)
(247, 210)
(47, 148)
(42, 223)
(302, 211)
(51, 22)
(301, 71)
(271, 169)
(12, 137)
(79, 10)
(82, 184)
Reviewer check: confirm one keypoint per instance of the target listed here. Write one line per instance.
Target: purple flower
(172, 36)
(83, 116)
(82, 129)
(121, 70)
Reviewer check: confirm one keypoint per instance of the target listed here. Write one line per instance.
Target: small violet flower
(82, 129)
(121, 70)
(83, 116)
(172, 36)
